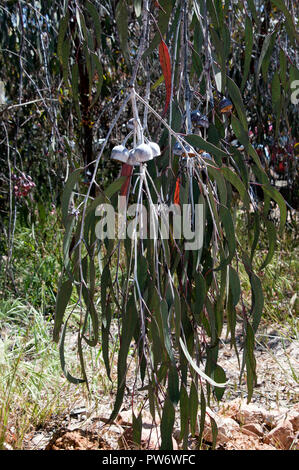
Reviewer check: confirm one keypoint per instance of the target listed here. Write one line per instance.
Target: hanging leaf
(219, 375)
(250, 361)
(271, 234)
(61, 34)
(267, 45)
(121, 16)
(201, 144)
(277, 197)
(137, 429)
(291, 28)
(193, 408)
(97, 66)
(248, 49)
(63, 297)
(237, 183)
(128, 327)
(167, 423)
(236, 97)
(165, 10)
(67, 193)
(197, 369)
(234, 285)
(96, 19)
(166, 69)
(75, 89)
(69, 377)
(184, 411)
(257, 301)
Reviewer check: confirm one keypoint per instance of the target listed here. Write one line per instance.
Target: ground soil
(277, 391)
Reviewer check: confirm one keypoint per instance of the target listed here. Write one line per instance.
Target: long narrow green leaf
(63, 297)
(167, 423)
(197, 369)
(248, 49)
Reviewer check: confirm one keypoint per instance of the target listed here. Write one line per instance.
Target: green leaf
(228, 225)
(236, 97)
(173, 385)
(166, 330)
(121, 16)
(167, 423)
(283, 68)
(267, 48)
(63, 297)
(271, 233)
(276, 93)
(197, 369)
(277, 197)
(234, 285)
(256, 228)
(291, 27)
(248, 49)
(65, 53)
(184, 411)
(96, 64)
(221, 185)
(92, 10)
(129, 315)
(68, 376)
(201, 144)
(252, 8)
(163, 23)
(137, 429)
(257, 301)
(237, 183)
(240, 164)
(240, 132)
(202, 416)
(250, 361)
(220, 376)
(75, 89)
(193, 407)
(61, 34)
(200, 293)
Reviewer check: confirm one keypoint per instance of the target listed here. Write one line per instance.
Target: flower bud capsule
(225, 105)
(177, 149)
(120, 153)
(155, 149)
(143, 153)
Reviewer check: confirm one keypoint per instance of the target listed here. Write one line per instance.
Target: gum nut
(206, 155)
(225, 105)
(177, 149)
(188, 149)
(120, 153)
(131, 124)
(143, 153)
(155, 149)
(131, 160)
(195, 117)
(204, 122)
